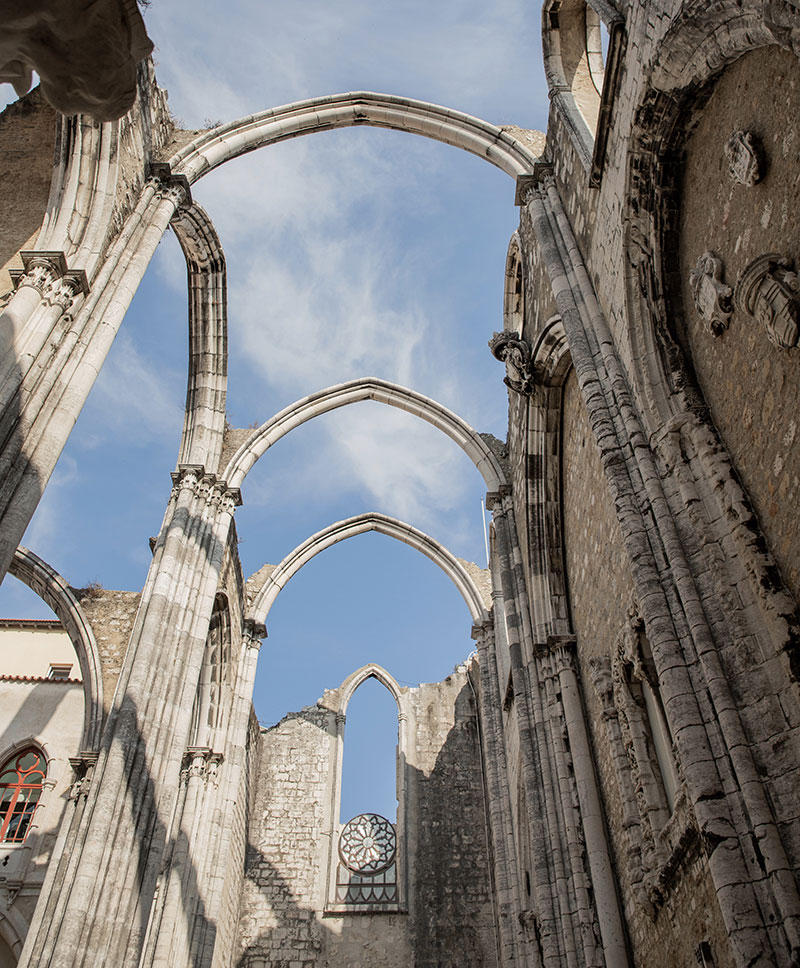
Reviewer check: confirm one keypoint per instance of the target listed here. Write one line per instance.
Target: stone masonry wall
(450, 913)
(451, 889)
(27, 144)
(744, 377)
(111, 614)
(601, 590)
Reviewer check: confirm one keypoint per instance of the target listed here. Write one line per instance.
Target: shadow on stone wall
(450, 921)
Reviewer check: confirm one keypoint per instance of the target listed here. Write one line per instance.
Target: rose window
(367, 871)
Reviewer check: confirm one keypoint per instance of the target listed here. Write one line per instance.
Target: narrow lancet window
(366, 859)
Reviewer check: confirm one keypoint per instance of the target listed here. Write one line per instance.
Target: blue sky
(352, 253)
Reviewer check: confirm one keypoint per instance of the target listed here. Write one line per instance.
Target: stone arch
(551, 360)
(370, 671)
(204, 419)
(368, 388)
(361, 524)
(573, 63)
(218, 145)
(338, 700)
(55, 592)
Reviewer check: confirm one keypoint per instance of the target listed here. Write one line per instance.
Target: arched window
(514, 297)
(215, 675)
(21, 782)
(366, 859)
(583, 45)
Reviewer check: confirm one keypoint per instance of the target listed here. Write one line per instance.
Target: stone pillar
(508, 568)
(606, 907)
(99, 911)
(674, 617)
(504, 851)
(55, 334)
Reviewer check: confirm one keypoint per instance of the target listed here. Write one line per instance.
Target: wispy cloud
(135, 397)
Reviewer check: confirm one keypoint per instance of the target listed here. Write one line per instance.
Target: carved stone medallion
(769, 291)
(712, 298)
(512, 350)
(745, 158)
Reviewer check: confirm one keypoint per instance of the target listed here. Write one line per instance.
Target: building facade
(612, 779)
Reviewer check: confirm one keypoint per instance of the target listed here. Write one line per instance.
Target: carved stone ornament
(712, 298)
(512, 350)
(769, 291)
(745, 158)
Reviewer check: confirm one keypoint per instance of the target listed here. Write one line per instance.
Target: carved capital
(712, 298)
(515, 352)
(745, 158)
(253, 632)
(47, 273)
(483, 634)
(207, 487)
(174, 187)
(561, 648)
(201, 762)
(83, 767)
(528, 185)
(494, 500)
(769, 291)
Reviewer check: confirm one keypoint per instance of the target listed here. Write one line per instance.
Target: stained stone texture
(27, 142)
(628, 793)
(745, 379)
(448, 898)
(601, 592)
(110, 614)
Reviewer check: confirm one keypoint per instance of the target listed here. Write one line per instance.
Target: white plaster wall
(51, 713)
(29, 651)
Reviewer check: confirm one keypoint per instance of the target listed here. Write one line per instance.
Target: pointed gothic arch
(218, 145)
(57, 594)
(368, 388)
(360, 524)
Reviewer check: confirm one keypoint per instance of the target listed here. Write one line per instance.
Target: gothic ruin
(612, 779)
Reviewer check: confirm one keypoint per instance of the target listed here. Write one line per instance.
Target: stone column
(674, 617)
(504, 851)
(607, 910)
(55, 334)
(100, 914)
(552, 930)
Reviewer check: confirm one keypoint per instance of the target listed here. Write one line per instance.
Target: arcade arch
(57, 594)
(367, 388)
(218, 145)
(360, 524)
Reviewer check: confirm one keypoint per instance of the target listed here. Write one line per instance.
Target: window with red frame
(21, 780)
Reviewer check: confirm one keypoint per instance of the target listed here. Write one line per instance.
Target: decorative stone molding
(207, 486)
(769, 291)
(527, 184)
(172, 186)
(201, 762)
(254, 632)
(745, 158)
(515, 352)
(712, 298)
(47, 273)
(83, 766)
